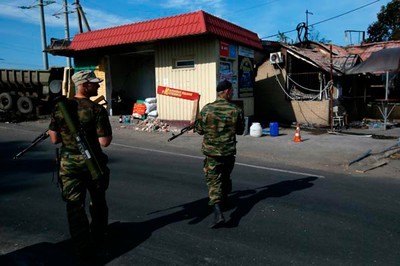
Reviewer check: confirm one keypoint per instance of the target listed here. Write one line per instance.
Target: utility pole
(67, 30)
(78, 16)
(42, 27)
(81, 15)
(67, 37)
(307, 12)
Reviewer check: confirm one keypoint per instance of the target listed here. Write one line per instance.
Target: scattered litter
(148, 125)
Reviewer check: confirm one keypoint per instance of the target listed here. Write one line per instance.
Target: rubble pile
(150, 124)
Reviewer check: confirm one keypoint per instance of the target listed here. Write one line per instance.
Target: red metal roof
(189, 24)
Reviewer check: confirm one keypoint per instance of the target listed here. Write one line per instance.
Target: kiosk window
(184, 63)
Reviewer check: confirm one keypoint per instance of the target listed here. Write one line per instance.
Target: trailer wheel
(25, 105)
(6, 101)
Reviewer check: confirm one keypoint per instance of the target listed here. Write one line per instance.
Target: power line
(344, 13)
(252, 7)
(36, 5)
(325, 20)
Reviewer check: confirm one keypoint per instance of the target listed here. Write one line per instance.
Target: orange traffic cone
(297, 137)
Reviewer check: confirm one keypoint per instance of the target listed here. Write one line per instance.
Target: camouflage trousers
(76, 181)
(217, 170)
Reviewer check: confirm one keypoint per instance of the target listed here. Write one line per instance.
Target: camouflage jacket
(93, 119)
(219, 122)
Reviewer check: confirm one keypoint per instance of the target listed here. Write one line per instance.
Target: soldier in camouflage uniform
(219, 122)
(75, 177)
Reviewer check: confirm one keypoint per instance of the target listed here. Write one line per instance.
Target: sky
(21, 36)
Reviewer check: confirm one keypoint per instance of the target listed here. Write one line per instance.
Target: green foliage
(387, 28)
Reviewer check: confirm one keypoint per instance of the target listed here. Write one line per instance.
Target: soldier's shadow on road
(126, 236)
(245, 200)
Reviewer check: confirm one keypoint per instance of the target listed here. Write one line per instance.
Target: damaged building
(309, 83)
(179, 60)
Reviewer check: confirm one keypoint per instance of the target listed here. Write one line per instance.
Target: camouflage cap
(83, 76)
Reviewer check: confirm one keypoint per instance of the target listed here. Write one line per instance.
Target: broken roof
(188, 24)
(343, 58)
(318, 55)
(365, 50)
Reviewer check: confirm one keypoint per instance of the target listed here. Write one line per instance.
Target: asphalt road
(159, 214)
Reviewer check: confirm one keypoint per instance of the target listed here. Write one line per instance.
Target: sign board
(224, 49)
(246, 77)
(247, 52)
(177, 93)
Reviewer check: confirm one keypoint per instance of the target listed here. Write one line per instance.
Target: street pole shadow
(245, 200)
(126, 236)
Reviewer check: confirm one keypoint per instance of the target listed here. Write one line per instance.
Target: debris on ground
(368, 161)
(371, 166)
(148, 124)
(343, 133)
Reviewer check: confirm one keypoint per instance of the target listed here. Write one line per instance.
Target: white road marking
(197, 157)
(241, 164)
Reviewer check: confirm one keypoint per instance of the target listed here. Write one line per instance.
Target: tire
(6, 101)
(25, 105)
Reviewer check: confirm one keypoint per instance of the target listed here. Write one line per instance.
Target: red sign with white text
(224, 49)
(177, 93)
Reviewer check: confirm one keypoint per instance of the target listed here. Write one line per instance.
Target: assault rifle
(183, 130)
(45, 134)
(40, 138)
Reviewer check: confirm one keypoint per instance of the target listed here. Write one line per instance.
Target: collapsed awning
(385, 60)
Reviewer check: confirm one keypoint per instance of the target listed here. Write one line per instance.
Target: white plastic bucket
(255, 130)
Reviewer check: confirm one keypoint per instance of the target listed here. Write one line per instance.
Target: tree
(387, 28)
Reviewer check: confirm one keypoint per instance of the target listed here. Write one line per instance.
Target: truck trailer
(25, 91)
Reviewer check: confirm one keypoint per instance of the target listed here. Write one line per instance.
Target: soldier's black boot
(218, 216)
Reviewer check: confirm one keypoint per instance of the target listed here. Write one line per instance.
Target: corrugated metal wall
(200, 79)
